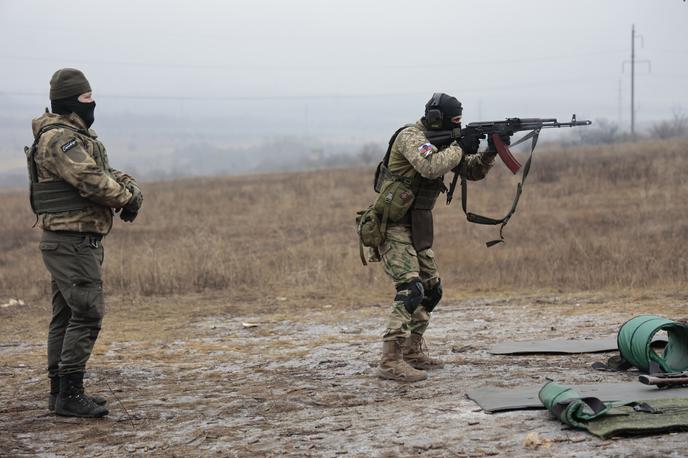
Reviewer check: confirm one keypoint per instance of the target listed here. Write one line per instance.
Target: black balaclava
(450, 107)
(72, 105)
(440, 110)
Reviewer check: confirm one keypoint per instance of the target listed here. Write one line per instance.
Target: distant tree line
(604, 131)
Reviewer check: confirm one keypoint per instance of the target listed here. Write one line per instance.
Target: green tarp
(606, 419)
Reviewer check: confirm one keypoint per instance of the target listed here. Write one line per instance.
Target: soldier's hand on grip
(470, 143)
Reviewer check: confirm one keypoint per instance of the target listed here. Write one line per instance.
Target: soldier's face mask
(451, 113)
(456, 129)
(85, 110)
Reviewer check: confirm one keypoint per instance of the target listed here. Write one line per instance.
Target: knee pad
(410, 294)
(432, 296)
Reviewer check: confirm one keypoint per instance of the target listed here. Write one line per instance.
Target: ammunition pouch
(368, 229)
(395, 199)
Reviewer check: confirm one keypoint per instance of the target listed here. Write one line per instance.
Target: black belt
(90, 238)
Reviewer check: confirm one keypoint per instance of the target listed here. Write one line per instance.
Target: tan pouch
(368, 229)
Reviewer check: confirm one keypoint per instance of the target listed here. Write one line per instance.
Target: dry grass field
(242, 323)
(590, 218)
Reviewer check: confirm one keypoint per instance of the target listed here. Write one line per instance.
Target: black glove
(128, 216)
(131, 210)
(470, 143)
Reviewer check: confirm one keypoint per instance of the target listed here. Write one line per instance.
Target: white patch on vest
(425, 150)
(69, 145)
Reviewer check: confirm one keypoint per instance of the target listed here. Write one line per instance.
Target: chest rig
(407, 200)
(58, 196)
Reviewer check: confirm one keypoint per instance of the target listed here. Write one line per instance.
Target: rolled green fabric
(635, 338)
(566, 404)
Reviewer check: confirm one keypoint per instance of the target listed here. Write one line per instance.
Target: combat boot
(393, 367)
(416, 355)
(73, 402)
(55, 391)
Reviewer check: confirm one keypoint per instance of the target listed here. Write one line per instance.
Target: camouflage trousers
(402, 263)
(74, 261)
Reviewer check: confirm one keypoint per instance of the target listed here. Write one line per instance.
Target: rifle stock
(665, 380)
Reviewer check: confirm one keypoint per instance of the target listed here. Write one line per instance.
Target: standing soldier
(409, 180)
(73, 193)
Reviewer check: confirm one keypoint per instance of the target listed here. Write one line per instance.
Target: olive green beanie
(68, 82)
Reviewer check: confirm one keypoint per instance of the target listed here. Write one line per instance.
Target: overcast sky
(341, 66)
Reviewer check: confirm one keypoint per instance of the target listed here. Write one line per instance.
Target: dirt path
(197, 381)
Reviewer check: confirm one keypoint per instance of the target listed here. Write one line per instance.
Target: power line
(244, 67)
(257, 98)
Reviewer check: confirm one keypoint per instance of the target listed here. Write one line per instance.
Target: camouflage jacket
(80, 159)
(412, 153)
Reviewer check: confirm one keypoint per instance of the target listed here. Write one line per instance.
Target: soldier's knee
(433, 295)
(410, 294)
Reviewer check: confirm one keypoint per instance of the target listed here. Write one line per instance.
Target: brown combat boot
(416, 356)
(393, 367)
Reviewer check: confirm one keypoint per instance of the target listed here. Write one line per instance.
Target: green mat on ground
(555, 346)
(497, 399)
(606, 419)
(671, 415)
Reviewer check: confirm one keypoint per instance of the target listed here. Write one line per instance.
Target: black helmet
(440, 110)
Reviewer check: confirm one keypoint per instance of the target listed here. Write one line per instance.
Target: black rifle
(496, 131)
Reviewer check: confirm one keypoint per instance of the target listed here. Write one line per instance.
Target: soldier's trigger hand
(128, 216)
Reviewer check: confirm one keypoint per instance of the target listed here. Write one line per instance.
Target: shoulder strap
(385, 161)
(480, 219)
(382, 166)
(31, 152)
(58, 126)
(46, 129)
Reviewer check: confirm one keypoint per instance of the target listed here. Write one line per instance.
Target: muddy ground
(194, 377)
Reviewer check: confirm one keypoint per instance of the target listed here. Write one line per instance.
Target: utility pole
(632, 62)
(633, 80)
(619, 105)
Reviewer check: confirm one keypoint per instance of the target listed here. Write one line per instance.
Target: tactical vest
(53, 196)
(424, 192)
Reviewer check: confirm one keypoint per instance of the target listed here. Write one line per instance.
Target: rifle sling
(480, 219)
